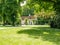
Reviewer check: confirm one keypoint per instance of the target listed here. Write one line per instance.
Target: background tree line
(10, 11)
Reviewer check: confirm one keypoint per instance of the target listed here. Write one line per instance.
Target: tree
(10, 10)
(57, 8)
(56, 5)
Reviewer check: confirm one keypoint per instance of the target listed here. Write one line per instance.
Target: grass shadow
(49, 34)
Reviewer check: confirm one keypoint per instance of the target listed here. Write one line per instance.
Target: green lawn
(29, 35)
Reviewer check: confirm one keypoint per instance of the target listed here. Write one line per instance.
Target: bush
(53, 24)
(41, 22)
(58, 21)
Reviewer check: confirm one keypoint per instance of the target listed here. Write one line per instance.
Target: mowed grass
(29, 35)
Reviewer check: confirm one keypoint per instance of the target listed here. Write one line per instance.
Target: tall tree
(10, 9)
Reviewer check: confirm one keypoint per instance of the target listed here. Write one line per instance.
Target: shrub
(53, 24)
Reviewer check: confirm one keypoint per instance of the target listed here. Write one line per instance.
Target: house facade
(28, 20)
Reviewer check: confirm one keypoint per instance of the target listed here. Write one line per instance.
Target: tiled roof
(28, 17)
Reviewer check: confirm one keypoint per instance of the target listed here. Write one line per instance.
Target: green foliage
(26, 11)
(57, 8)
(8, 8)
(0, 8)
(57, 21)
(11, 8)
(50, 5)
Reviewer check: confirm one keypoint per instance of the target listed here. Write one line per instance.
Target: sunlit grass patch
(45, 33)
(57, 34)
